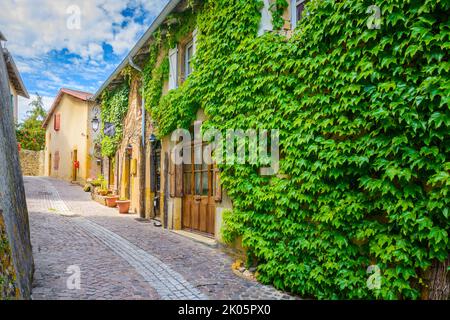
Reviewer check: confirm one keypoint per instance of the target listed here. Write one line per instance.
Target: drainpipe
(142, 192)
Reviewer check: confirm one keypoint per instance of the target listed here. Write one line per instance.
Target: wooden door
(199, 206)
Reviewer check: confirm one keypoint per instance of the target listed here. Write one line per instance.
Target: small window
(298, 8)
(189, 53)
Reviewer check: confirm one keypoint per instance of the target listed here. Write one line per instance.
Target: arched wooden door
(199, 206)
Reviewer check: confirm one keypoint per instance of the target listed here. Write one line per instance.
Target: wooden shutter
(173, 71)
(152, 170)
(179, 181)
(266, 18)
(217, 186)
(172, 176)
(176, 179)
(57, 122)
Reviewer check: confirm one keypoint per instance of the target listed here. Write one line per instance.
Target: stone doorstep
(197, 238)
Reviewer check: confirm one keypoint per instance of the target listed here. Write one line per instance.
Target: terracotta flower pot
(111, 201)
(124, 206)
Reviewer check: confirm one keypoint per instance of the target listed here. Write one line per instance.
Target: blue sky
(72, 44)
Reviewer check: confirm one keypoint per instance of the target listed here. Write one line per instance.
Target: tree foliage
(30, 134)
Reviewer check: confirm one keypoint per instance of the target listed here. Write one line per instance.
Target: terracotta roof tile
(85, 96)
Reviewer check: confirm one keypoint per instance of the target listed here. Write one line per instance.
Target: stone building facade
(186, 198)
(69, 138)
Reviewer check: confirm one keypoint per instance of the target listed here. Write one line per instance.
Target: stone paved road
(119, 257)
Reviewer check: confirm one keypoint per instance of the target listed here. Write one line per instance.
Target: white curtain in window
(173, 74)
(266, 18)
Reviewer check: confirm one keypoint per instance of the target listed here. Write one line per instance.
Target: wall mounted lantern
(95, 124)
(152, 139)
(129, 150)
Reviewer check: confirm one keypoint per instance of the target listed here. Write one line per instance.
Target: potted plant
(124, 205)
(111, 200)
(103, 188)
(102, 192)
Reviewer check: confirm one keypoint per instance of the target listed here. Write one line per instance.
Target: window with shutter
(173, 72)
(57, 122)
(266, 18)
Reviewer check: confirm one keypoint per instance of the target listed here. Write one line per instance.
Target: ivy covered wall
(364, 130)
(114, 108)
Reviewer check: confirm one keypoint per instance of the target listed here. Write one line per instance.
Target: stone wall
(32, 162)
(8, 289)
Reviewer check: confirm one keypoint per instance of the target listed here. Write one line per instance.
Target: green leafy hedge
(364, 126)
(114, 108)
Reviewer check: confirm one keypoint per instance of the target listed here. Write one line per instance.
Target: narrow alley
(118, 257)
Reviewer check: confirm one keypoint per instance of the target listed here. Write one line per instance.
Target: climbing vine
(156, 70)
(364, 131)
(278, 8)
(113, 110)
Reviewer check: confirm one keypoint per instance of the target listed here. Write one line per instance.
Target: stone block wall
(32, 162)
(8, 289)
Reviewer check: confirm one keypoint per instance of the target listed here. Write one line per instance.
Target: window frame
(294, 5)
(187, 61)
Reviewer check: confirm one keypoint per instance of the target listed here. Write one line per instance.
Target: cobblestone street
(119, 257)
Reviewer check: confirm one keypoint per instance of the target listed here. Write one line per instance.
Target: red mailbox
(76, 164)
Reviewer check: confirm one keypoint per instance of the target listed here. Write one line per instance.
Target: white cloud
(35, 27)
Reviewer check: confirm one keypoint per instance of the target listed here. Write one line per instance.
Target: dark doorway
(127, 176)
(155, 178)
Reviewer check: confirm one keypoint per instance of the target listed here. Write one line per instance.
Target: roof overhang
(83, 96)
(14, 75)
(139, 45)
